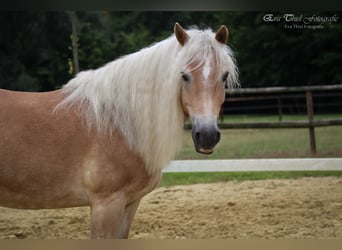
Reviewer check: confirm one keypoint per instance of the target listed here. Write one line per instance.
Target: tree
(74, 40)
(36, 47)
(34, 50)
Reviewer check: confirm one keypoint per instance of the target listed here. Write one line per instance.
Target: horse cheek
(185, 102)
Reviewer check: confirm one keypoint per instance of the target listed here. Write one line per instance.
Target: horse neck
(139, 95)
(150, 107)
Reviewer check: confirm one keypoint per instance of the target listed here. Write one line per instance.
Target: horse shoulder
(113, 167)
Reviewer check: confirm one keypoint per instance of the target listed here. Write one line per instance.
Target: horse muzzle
(205, 135)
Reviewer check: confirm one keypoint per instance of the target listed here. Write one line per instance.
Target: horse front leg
(128, 218)
(107, 215)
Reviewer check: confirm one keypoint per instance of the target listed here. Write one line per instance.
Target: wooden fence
(310, 123)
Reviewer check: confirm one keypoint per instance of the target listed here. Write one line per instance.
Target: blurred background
(36, 47)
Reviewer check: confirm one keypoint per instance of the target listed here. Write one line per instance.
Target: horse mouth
(204, 151)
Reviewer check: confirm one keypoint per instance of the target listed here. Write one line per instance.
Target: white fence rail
(255, 165)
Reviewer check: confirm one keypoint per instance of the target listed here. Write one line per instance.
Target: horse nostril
(198, 137)
(218, 136)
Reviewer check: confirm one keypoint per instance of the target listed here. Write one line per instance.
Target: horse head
(203, 79)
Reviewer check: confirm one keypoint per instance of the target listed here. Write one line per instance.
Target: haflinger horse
(104, 138)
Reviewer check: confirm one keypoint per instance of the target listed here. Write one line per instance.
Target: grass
(262, 143)
(269, 143)
(171, 179)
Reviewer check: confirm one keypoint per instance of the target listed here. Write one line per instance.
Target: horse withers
(104, 138)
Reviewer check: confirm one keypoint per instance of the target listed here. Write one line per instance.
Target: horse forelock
(203, 46)
(139, 94)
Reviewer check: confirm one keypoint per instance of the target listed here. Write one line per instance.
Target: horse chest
(113, 167)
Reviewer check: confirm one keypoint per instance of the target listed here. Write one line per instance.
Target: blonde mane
(139, 94)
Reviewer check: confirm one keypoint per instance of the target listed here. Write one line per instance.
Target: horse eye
(224, 76)
(185, 77)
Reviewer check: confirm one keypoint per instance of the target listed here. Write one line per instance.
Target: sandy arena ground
(303, 208)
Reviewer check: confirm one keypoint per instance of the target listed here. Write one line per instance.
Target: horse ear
(222, 34)
(180, 33)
